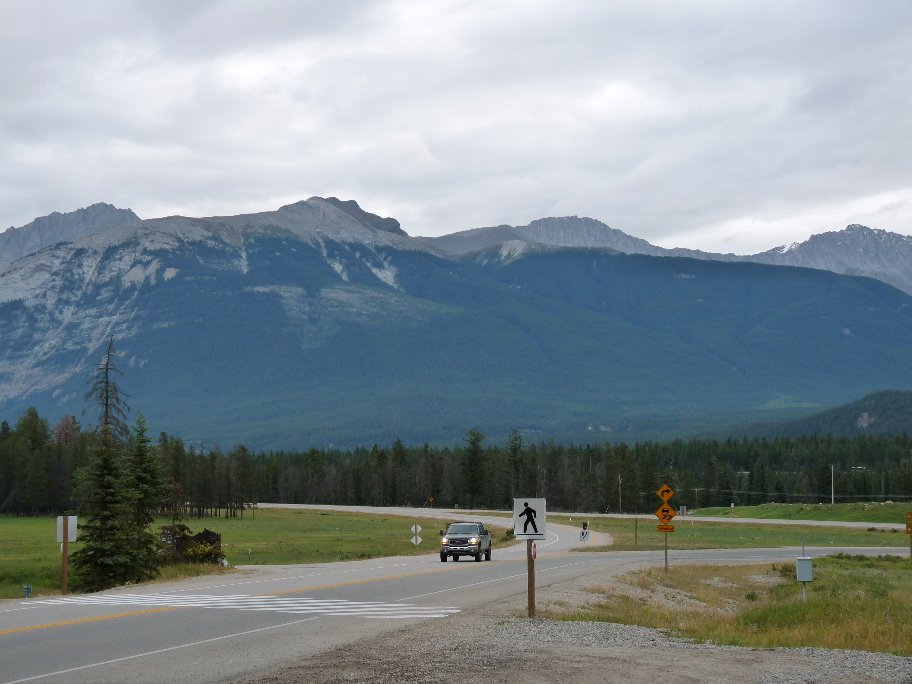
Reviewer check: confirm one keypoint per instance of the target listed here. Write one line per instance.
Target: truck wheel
(443, 558)
(478, 556)
(488, 554)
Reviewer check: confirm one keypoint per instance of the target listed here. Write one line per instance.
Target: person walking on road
(529, 514)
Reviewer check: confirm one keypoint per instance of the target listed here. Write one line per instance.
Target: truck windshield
(463, 529)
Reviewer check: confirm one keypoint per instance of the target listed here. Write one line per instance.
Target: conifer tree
(35, 455)
(144, 490)
(471, 464)
(105, 394)
(105, 559)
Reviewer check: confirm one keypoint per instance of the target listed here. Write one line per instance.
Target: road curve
(215, 628)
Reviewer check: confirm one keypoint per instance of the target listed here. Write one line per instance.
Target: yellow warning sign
(666, 514)
(909, 522)
(665, 493)
(666, 528)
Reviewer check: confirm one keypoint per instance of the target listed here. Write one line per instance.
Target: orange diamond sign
(666, 514)
(665, 493)
(909, 522)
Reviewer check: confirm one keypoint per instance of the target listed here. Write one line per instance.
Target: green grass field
(29, 554)
(690, 534)
(888, 512)
(854, 602)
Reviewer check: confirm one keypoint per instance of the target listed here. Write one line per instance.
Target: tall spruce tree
(106, 395)
(106, 558)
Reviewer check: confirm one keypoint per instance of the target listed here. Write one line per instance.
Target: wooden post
(66, 552)
(666, 553)
(636, 531)
(531, 566)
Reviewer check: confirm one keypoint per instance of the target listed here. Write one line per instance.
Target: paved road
(218, 628)
(453, 514)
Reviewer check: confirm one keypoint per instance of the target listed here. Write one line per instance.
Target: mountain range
(322, 323)
(856, 250)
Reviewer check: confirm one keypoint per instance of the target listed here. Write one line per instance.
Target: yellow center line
(92, 619)
(273, 593)
(389, 577)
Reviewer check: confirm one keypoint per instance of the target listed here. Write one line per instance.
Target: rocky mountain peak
(16, 243)
(350, 207)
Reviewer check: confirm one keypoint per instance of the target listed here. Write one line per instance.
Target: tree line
(46, 469)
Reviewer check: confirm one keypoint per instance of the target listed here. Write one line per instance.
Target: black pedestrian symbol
(529, 514)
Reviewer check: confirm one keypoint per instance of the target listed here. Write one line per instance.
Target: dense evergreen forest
(44, 470)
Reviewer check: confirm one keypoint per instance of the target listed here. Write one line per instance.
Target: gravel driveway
(498, 645)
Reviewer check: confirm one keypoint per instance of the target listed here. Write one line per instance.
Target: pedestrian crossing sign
(529, 518)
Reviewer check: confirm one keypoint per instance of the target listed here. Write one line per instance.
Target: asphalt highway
(219, 628)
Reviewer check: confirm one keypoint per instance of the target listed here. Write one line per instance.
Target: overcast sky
(718, 125)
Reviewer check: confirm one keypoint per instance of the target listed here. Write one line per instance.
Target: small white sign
(529, 518)
(416, 540)
(71, 528)
(584, 535)
(416, 528)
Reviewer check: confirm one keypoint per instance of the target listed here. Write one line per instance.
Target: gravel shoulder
(497, 644)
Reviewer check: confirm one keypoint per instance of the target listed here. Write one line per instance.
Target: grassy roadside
(888, 512)
(29, 554)
(642, 535)
(854, 602)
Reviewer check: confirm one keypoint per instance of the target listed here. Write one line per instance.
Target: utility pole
(832, 486)
(620, 506)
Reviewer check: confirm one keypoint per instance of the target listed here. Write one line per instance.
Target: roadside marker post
(416, 528)
(529, 515)
(665, 514)
(66, 533)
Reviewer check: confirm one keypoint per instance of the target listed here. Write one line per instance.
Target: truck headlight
(444, 541)
(473, 540)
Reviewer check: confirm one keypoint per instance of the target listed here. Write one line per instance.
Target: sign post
(416, 528)
(665, 514)
(66, 533)
(529, 523)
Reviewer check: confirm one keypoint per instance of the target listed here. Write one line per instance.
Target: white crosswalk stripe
(276, 604)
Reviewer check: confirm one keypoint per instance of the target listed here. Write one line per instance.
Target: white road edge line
(161, 650)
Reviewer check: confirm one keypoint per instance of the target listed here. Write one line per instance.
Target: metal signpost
(66, 533)
(584, 533)
(665, 514)
(804, 570)
(416, 528)
(529, 523)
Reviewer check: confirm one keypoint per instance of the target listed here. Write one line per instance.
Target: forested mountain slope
(888, 412)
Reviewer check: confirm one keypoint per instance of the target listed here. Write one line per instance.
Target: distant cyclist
(529, 514)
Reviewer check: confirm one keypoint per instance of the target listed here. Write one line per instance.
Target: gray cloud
(723, 126)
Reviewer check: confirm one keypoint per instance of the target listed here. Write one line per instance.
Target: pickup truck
(466, 539)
